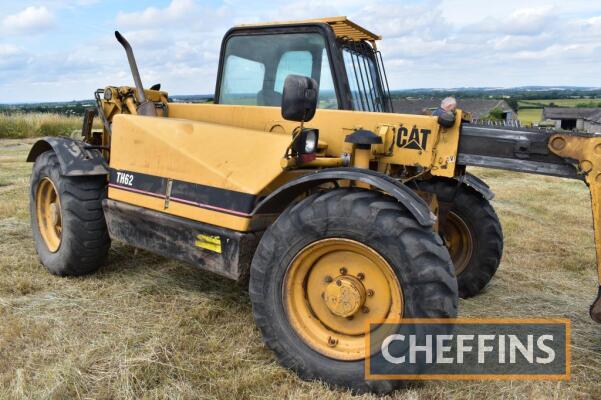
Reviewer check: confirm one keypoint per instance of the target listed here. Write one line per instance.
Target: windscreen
(256, 66)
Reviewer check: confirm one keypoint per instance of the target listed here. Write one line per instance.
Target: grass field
(37, 124)
(530, 115)
(558, 102)
(147, 327)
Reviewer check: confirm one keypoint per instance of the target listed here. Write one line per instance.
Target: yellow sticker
(212, 243)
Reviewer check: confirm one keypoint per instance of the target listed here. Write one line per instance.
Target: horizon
(432, 89)
(59, 50)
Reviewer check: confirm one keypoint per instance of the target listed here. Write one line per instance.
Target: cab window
(243, 79)
(364, 80)
(256, 66)
(293, 63)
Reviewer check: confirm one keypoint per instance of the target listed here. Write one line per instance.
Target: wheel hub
(333, 288)
(458, 239)
(345, 296)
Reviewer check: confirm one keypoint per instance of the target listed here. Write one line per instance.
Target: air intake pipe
(146, 107)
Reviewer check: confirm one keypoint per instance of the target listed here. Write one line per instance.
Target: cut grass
(148, 327)
(37, 124)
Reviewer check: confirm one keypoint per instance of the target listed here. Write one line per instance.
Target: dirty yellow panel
(238, 159)
(418, 139)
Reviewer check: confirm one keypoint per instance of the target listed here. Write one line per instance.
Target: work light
(311, 142)
(306, 142)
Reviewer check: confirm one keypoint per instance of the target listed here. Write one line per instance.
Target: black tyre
(471, 231)
(67, 220)
(349, 238)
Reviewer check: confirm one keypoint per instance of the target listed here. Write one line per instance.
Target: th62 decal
(416, 139)
(125, 179)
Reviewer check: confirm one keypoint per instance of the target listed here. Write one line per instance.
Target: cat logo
(417, 139)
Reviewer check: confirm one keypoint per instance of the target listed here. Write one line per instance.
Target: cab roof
(342, 27)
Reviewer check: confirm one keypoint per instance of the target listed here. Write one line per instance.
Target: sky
(61, 50)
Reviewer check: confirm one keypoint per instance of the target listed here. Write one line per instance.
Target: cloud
(514, 43)
(13, 61)
(32, 20)
(11, 57)
(522, 21)
(8, 50)
(530, 21)
(70, 3)
(427, 43)
(178, 11)
(149, 39)
(393, 20)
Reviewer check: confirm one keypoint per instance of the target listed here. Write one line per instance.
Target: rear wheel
(67, 220)
(471, 231)
(331, 263)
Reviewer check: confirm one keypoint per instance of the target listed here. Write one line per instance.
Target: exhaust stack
(146, 107)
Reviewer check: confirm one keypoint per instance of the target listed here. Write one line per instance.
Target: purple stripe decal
(129, 189)
(193, 203)
(178, 200)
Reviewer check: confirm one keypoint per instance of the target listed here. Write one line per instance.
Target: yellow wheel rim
(49, 216)
(459, 241)
(332, 289)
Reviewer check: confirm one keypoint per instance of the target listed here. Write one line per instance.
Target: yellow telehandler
(301, 181)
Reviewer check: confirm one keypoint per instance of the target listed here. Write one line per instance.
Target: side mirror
(299, 99)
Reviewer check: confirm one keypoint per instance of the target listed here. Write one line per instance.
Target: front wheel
(331, 263)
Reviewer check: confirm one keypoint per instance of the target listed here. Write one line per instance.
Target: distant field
(558, 102)
(530, 115)
(26, 125)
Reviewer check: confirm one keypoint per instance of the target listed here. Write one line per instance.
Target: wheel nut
(343, 271)
(365, 309)
(370, 292)
(360, 276)
(338, 282)
(327, 279)
(332, 342)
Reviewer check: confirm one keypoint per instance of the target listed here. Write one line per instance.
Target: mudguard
(280, 199)
(473, 182)
(478, 185)
(74, 157)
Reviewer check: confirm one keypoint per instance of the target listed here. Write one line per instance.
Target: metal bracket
(168, 193)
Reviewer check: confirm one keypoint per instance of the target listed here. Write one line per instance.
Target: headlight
(311, 142)
(306, 142)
